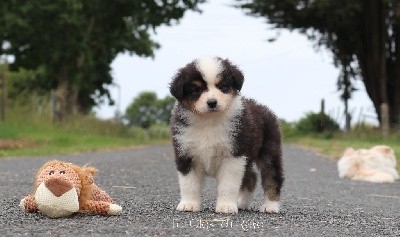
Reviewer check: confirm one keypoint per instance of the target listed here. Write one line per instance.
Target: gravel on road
(315, 201)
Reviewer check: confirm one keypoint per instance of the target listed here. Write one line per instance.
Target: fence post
(322, 115)
(385, 120)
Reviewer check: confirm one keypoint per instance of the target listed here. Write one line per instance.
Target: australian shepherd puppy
(377, 164)
(217, 132)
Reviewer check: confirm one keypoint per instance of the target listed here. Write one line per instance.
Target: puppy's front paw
(227, 208)
(270, 207)
(188, 206)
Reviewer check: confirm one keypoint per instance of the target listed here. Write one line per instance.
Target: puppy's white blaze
(270, 207)
(229, 179)
(245, 199)
(191, 185)
(209, 68)
(54, 206)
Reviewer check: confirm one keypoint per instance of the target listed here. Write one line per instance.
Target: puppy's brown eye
(62, 172)
(223, 87)
(51, 172)
(196, 90)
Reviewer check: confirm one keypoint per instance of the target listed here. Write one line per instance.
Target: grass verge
(41, 137)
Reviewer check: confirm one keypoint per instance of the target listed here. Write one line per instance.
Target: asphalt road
(143, 181)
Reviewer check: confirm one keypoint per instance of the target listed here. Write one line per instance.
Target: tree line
(70, 44)
(363, 36)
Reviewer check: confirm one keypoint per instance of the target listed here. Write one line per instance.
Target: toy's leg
(28, 204)
(101, 208)
(100, 195)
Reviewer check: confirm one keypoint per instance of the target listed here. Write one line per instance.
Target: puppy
(377, 165)
(216, 132)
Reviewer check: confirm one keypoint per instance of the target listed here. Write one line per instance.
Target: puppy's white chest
(208, 144)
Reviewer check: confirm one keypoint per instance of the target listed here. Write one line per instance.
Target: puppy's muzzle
(212, 103)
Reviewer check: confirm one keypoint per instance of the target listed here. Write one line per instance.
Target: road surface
(143, 181)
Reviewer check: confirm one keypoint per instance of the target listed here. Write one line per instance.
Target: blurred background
(78, 75)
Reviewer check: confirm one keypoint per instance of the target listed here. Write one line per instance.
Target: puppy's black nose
(212, 103)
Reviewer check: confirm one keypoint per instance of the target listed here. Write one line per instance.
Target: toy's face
(58, 189)
(60, 172)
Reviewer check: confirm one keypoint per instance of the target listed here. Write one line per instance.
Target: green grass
(31, 133)
(36, 135)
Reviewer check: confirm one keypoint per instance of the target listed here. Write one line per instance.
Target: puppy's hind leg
(246, 192)
(270, 165)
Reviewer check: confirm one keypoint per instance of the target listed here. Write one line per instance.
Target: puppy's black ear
(234, 73)
(182, 78)
(176, 86)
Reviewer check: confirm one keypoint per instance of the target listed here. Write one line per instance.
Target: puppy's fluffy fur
(216, 132)
(377, 165)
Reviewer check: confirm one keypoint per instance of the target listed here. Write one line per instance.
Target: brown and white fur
(377, 165)
(217, 132)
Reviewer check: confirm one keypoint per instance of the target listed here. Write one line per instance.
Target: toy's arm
(101, 208)
(28, 204)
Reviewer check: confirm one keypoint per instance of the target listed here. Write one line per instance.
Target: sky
(289, 75)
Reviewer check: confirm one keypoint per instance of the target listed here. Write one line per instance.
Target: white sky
(287, 75)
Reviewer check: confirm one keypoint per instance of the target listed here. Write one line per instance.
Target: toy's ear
(90, 170)
(89, 173)
(233, 72)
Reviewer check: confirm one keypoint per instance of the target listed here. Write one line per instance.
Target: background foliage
(73, 42)
(363, 36)
(146, 110)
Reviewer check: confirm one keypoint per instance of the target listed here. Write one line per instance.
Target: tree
(164, 109)
(146, 110)
(364, 37)
(345, 85)
(316, 123)
(75, 41)
(3, 92)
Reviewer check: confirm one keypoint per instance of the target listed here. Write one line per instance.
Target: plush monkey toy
(63, 188)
